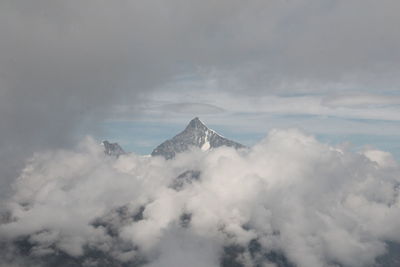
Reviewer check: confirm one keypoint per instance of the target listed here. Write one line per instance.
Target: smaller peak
(112, 149)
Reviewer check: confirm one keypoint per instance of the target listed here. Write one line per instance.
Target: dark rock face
(113, 149)
(391, 257)
(196, 134)
(185, 178)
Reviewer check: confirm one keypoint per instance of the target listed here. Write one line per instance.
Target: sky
(363, 118)
(67, 67)
(323, 74)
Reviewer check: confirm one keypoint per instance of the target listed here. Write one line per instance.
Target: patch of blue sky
(138, 137)
(298, 94)
(389, 143)
(392, 92)
(311, 116)
(298, 116)
(359, 141)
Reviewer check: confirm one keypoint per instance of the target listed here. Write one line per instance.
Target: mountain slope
(196, 134)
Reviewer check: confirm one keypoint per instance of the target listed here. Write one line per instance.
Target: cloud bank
(287, 201)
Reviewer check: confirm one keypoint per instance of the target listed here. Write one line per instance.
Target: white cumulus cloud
(305, 202)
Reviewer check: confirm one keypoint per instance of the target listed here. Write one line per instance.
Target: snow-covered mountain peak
(196, 134)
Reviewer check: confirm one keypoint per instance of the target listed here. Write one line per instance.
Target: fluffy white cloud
(313, 204)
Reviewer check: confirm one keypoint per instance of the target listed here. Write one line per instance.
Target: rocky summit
(196, 134)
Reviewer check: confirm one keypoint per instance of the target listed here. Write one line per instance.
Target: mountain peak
(196, 120)
(196, 123)
(196, 134)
